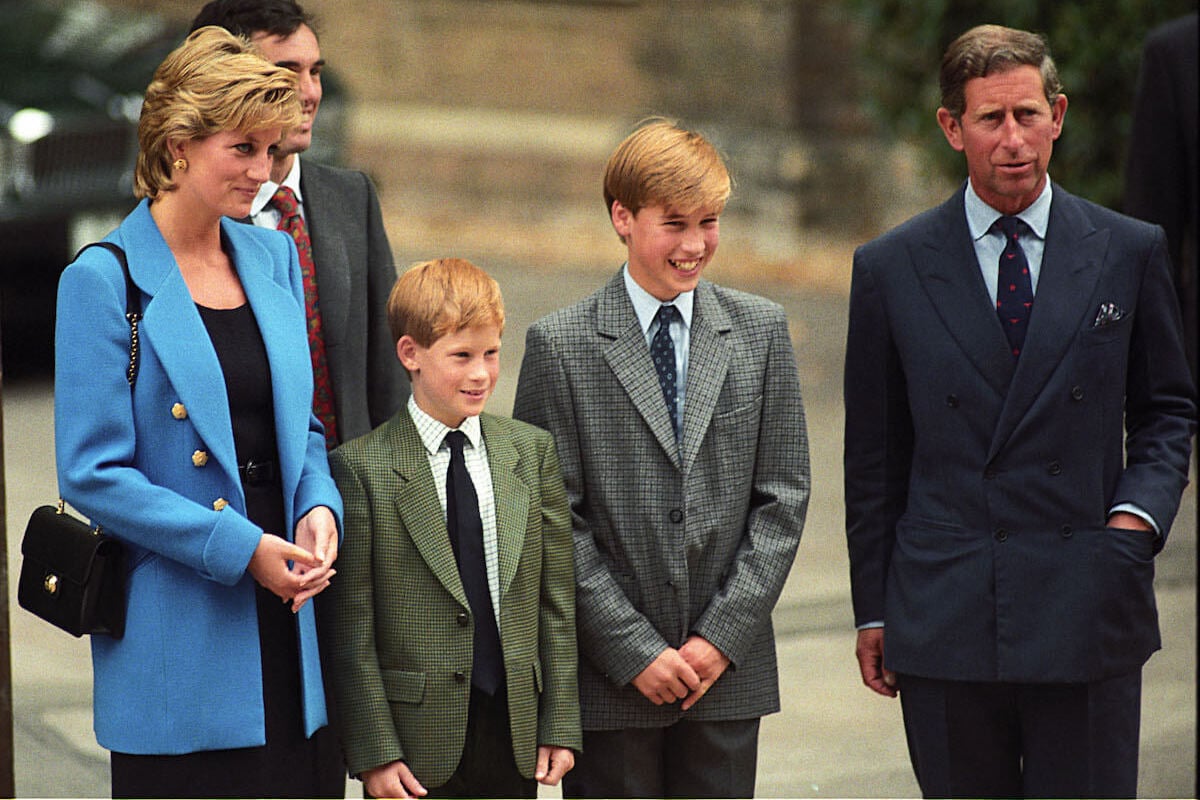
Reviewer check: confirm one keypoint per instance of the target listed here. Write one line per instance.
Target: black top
(243, 356)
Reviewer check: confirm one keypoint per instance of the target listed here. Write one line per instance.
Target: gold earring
(180, 164)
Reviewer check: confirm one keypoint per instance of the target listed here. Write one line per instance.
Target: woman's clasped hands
(298, 572)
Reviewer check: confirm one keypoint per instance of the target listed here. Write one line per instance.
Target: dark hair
(247, 17)
(988, 49)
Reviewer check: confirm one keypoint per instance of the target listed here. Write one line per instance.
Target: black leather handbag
(73, 575)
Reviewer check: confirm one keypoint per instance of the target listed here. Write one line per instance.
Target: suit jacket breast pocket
(734, 434)
(1108, 332)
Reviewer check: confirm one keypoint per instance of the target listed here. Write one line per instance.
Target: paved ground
(833, 738)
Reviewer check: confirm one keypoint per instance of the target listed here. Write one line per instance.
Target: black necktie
(662, 351)
(1014, 288)
(466, 537)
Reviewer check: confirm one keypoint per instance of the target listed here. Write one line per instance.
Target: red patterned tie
(291, 222)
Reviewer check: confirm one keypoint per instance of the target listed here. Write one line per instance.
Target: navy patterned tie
(662, 351)
(466, 537)
(1014, 289)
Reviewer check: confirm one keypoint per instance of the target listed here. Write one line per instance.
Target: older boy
(451, 628)
(675, 406)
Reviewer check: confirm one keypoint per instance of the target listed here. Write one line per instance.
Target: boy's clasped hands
(685, 674)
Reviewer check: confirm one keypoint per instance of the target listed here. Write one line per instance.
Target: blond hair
(663, 164)
(445, 295)
(211, 83)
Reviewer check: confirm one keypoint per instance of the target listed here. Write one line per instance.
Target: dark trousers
(687, 759)
(487, 767)
(970, 739)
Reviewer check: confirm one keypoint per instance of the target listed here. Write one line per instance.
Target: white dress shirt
(433, 437)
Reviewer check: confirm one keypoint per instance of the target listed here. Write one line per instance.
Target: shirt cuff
(1138, 512)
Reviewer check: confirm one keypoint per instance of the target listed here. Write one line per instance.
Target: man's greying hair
(247, 17)
(988, 49)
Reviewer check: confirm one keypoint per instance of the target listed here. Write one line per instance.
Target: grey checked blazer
(669, 540)
(355, 273)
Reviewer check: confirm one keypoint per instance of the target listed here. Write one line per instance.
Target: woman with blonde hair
(211, 468)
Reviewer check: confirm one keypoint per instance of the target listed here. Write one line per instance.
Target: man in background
(333, 215)
(1160, 175)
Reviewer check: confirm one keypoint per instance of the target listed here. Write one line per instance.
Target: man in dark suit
(359, 384)
(1018, 420)
(1160, 176)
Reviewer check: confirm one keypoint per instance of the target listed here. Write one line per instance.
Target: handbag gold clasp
(50, 584)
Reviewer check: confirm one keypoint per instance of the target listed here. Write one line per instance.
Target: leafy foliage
(1096, 45)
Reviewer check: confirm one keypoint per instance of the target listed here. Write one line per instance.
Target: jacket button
(1076, 392)
(220, 503)
(952, 400)
(179, 411)
(463, 619)
(199, 458)
(676, 516)
(1001, 535)
(460, 677)
(1066, 532)
(1054, 468)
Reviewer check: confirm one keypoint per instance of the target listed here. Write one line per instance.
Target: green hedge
(1097, 45)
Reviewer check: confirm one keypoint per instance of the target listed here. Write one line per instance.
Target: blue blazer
(158, 469)
(977, 488)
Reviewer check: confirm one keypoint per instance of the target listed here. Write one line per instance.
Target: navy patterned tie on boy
(1014, 289)
(466, 537)
(662, 351)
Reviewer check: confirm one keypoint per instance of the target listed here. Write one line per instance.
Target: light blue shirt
(645, 306)
(989, 241)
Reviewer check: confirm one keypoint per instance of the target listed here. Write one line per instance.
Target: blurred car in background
(72, 76)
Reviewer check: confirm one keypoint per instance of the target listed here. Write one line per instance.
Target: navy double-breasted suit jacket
(978, 486)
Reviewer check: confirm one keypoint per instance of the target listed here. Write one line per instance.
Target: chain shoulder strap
(133, 306)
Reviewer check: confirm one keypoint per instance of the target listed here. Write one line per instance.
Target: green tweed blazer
(396, 623)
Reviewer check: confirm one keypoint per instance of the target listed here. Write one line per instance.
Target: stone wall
(505, 110)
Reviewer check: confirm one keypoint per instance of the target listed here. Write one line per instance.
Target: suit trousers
(687, 759)
(969, 739)
(487, 767)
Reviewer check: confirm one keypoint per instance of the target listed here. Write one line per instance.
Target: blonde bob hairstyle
(663, 164)
(445, 295)
(213, 82)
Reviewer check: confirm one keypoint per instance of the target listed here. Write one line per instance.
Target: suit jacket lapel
(629, 358)
(418, 506)
(708, 364)
(281, 323)
(172, 328)
(322, 213)
(949, 272)
(1071, 262)
(512, 497)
